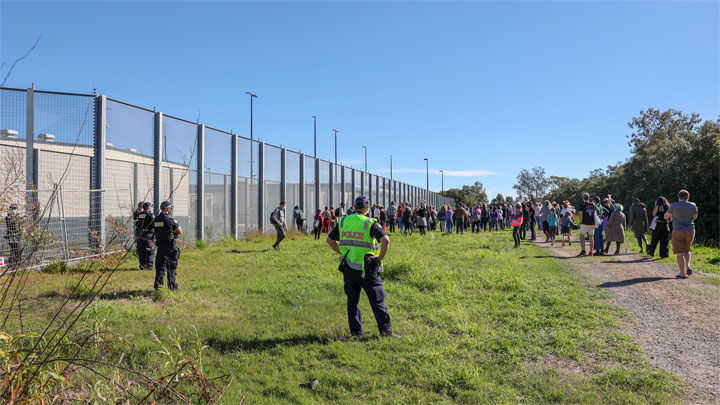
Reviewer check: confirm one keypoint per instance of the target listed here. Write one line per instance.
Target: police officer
(135, 214)
(146, 231)
(12, 233)
(354, 238)
(168, 254)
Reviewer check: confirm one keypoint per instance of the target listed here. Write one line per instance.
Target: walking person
(407, 219)
(682, 214)
(544, 212)
(661, 228)
(168, 254)
(533, 219)
(552, 225)
(587, 223)
(639, 222)
(460, 215)
(567, 223)
(484, 217)
(317, 224)
(449, 220)
(526, 218)
(538, 216)
(299, 218)
(616, 228)
(517, 221)
(354, 239)
(399, 218)
(278, 220)
(493, 219)
(422, 218)
(326, 220)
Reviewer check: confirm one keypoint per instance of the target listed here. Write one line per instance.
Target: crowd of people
(601, 222)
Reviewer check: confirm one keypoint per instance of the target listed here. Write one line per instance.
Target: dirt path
(676, 322)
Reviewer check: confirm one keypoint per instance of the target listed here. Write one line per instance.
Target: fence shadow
(238, 251)
(235, 344)
(640, 260)
(629, 282)
(126, 294)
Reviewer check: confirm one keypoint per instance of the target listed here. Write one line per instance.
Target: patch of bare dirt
(675, 321)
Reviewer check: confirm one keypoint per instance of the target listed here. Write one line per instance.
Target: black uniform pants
(659, 235)
(146, 252)
(354, 282)
(532, 228)
(164, 264)
(391, 223)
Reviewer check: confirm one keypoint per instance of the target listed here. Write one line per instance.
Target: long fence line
(93, 158)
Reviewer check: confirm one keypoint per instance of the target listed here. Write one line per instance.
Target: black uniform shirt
(165, 225)
(376, 231)
(146, 224)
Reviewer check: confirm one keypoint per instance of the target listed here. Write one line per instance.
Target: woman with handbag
(660, 228)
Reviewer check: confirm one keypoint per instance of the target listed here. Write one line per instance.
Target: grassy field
(479, 323)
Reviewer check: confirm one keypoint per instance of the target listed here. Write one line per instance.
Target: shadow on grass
(629, 282)
(640, 260)
(247, 251)
(127, 294)
(549, 257)
(254, 345)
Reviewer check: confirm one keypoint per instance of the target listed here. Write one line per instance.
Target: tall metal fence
(86, 160)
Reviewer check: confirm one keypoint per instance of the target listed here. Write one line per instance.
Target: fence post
(157, 161)
(136, 186)
(352, 184)
(377, 190)
(331, 185)
(261, 185)
(283, 174)
(362, 183)
(97, 209)
(302, 185)
(234, 187)
(317, 184)
(201, 182)
(342, 184)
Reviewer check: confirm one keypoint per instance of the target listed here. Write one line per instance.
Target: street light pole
(315, 136)
(252, 96)
(442, 182)
(336, 132)
(427, 176)
(365, 147)
(391, 177)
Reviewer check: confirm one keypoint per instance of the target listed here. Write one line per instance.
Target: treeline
(670, 151)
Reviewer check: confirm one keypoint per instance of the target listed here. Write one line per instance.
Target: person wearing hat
(135, 214)
(166, 231)
(145, 233)
(354, 239)
(13, 233)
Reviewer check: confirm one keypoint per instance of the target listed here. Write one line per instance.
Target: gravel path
(676, 322)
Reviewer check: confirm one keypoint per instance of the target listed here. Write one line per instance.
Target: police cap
(362, 202)
(165, 204)
(147, 204)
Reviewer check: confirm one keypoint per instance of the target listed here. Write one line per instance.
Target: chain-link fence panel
(337, 185)
(179, 153)
(273, 176)
(310, 205)
(292, 185)
(324, 184)
(13, 124)
(348, 196)
(358, 187)
(218, 183)
(247, 186)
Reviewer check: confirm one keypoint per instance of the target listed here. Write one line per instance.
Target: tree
(468, 195)
(532, 183)
(498, 200)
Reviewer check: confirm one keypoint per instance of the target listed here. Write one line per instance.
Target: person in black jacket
(166, 231)
(145, 233)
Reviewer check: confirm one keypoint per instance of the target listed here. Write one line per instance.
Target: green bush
(54, 267)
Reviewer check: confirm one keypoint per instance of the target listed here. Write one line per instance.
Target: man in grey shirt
(544, 213)
(278, 219)
(683, 214)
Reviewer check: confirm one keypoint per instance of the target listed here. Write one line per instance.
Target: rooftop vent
(8, 133)
(47, 137)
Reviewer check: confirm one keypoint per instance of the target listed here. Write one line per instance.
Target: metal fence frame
(379, 189)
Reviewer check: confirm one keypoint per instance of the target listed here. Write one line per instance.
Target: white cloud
(451, 173)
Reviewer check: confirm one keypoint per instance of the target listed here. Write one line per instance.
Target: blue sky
(483, 89)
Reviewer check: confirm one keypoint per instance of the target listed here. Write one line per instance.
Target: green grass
(705, 259)
(480, 323)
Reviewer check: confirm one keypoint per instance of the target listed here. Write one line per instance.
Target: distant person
(552, 225)
(391, 216)
(354, 239)
(407, 219)
(587, 223)
(516, 220)
(299, 218)
(616, 228)
(422, 218)
(13, 233)
(317, 224)
(598, 239)
(340, 211)
(544, 212)
(449, 220)
(566, 226)
(682, 214)
(145, 238)
(532, 216)
(135, 214)
(399, 217)
(526, 219)
(661, 230)
(639, 222)
(168, 254)
(278, 220)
